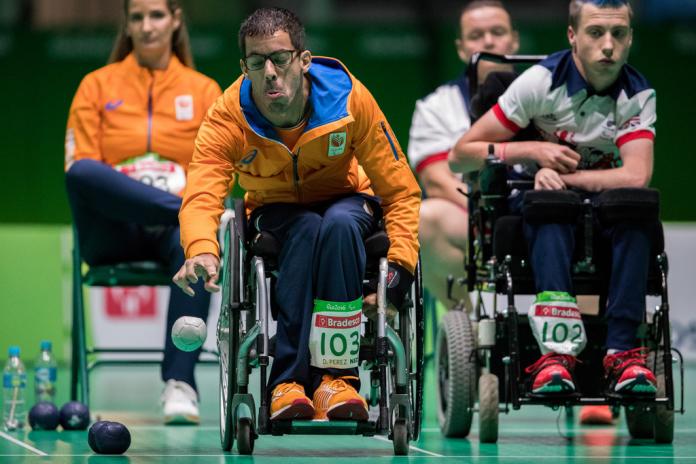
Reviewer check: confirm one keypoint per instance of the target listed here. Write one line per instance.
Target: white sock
(612, 351)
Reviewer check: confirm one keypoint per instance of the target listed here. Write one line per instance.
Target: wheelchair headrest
(632, 205)
(488, 93)
(551, 206)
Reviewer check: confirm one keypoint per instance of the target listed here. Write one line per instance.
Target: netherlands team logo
(337, 143)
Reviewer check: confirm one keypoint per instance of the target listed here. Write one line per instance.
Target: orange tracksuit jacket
(124, 110)
(347, 147)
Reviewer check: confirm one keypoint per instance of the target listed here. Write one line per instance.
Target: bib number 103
(337, 344)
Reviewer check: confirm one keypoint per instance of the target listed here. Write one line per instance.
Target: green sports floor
(533, 434)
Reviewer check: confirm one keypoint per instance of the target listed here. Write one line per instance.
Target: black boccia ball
(106, 437)
(44, 416)
(74, 416)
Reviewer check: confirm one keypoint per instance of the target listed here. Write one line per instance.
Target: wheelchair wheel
(245, 436)
(411, 333)
(663, 423)
(228, 336)
(640, 421)
(400, 438)
(488, 408)
(457, 373)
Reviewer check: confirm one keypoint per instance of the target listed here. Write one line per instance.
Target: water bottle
(14, 382)
(45, 374)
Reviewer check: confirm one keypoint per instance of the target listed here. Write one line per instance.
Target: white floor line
(22, 444)
(577, 428)
(170, 427)
(435, 455)
(415, 448)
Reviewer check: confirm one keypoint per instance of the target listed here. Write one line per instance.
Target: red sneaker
(626, 372)
(596, 415)
(551, 374)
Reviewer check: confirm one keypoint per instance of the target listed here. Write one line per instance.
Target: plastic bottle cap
(14, 351)
(46, 345)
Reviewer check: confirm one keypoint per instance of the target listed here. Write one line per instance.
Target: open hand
(205, 266)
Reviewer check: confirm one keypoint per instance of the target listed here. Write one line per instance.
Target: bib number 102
(338, 344)
(559, 332)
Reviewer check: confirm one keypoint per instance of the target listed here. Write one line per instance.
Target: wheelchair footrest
(317, 427)
(579, 400)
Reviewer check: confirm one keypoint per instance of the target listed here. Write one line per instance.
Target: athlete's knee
(441, 220)
(79, 171)
(340, 224)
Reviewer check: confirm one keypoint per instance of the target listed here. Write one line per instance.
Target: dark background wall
(401, 53)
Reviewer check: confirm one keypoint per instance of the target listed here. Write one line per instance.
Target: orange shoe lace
(286, 387)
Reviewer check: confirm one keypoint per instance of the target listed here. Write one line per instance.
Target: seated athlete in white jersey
(597, 114)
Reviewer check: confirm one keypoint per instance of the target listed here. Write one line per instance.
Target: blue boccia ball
(74, 416)
(106, 437)
(44, 416)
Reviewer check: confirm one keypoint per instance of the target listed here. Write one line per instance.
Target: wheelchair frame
(467, 349)
(243, 344)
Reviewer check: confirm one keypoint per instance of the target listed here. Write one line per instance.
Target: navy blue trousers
(323, 256)
(118, 220)
(551, 249)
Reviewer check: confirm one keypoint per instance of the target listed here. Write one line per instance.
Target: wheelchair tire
(228, 336)
(488, 408)
(663, 424)
(640, 421)
(411, 333)
(245, 436)
(457, 373)
(400, 438)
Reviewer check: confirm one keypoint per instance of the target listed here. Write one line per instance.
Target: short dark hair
(265, 22)
(475, 5)
(575, 9)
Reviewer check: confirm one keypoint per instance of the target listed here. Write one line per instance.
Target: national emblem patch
(337, 143)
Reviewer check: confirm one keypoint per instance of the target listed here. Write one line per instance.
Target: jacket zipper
(391, 142)
(296, 174)
(149, 115)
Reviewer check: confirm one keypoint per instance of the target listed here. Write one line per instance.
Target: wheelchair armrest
(551, 206)
(629, 205)
(377, 245)
(265, 245)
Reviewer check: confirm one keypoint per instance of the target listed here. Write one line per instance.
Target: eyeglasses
(280, 59)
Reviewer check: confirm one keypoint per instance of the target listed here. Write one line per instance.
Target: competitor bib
(152, 169)
(556, 323)
(334, 340)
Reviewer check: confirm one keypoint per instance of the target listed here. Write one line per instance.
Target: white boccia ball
(188, 333)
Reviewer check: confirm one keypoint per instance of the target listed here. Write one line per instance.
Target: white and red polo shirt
(439, 120)
(554, 97)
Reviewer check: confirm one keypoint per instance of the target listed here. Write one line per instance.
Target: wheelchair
(480, 356)
(392, 352)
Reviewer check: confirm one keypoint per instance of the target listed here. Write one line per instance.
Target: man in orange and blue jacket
(319, 163)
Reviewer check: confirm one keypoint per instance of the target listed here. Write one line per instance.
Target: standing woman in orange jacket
(129, 140)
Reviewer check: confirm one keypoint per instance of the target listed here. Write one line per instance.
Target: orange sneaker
(596, 415)
(336, 399)
(289, 402)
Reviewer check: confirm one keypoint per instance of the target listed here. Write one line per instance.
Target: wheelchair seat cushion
(551, 206)
(632, 205)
